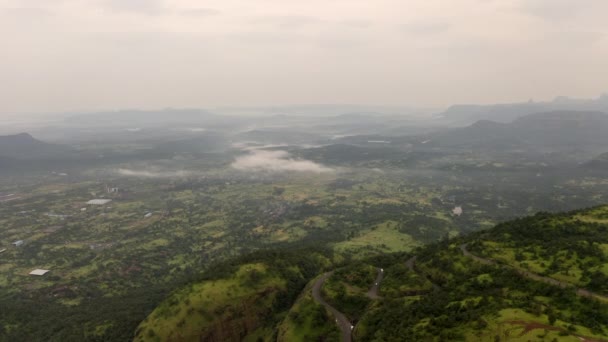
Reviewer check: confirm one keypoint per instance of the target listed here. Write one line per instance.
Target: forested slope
(487, 286)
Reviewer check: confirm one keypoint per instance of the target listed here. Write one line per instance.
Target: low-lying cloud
(276, 161)
(153, 174)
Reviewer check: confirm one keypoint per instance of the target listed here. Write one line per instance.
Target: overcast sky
(66, 55)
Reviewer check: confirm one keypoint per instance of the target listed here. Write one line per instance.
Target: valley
(121, 221)
(303, 171)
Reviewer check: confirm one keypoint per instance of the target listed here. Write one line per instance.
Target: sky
(84, 55)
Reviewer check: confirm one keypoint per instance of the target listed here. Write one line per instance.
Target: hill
(542, 131)
(240, 300)
(540, 278)
(467, 114)
(24, 146)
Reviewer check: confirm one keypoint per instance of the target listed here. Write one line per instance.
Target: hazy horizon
(91, 55)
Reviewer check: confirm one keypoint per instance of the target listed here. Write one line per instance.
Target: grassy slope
(240, 300)
(569, 247)
(202, 308)
(383, 238)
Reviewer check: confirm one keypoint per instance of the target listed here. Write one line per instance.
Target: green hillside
(540, 278)
(499, 285)
(241, 300)
(571, 247)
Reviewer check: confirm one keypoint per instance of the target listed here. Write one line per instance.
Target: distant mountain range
(565, 130)
(577, 136)
(555, 131)
(467, 114)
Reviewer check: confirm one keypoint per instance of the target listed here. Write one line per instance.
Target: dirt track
(373, 291)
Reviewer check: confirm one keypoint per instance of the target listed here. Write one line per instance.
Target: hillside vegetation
(483, 287)
(570, 247)
(241, 300)
(307, 321)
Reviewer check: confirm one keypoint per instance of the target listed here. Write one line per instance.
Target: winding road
(373, 291)
(411, 265)
(579, 291)
(343, 323)
(346, 327)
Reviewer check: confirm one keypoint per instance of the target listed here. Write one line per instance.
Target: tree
(552, 318)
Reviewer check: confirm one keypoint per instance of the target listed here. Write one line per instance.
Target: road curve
(579, 291)
(466, 253)
(411, 265)
(343, 323)
(373, 291)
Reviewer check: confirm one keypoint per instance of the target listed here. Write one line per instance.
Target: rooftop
(39, 272)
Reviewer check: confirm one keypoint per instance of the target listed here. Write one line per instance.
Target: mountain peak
(17, 137)
(24, 135)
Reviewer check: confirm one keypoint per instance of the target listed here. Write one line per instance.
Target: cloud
(288, 21)
(254, 145)
(153, 174)
(156, 8)
(200, 12)
(558, 10)
(428, 28)
(569, 39)
(276, 161)
(32, 13)
(357, 23)
(148, 7)
(188, 53)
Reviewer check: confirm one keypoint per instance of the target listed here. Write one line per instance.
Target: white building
(457, 211)
(39, 272)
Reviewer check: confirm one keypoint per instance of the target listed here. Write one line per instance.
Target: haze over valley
(281, 171)
(123, 208)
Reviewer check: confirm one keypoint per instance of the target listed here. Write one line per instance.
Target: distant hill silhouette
(599, 162)
(24, 146)
(558, 129)
(467, 114)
